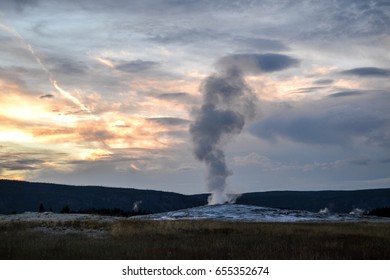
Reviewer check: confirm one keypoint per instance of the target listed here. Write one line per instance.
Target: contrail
(50, 75)
(227, 102)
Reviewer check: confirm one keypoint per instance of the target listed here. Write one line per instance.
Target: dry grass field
(202, 239)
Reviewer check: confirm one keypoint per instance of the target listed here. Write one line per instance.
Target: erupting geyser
(227, 102)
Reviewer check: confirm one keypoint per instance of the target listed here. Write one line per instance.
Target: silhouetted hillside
(334, 201)
(20, 196)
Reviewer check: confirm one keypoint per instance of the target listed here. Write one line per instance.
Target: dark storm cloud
(258, 63)
(368, 72)
(136, 66)
(331, 123)
(169, 121)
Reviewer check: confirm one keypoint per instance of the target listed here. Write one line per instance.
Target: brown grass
(145, 239)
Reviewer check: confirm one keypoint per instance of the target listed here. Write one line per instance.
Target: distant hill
(21, 196)
(314, 201)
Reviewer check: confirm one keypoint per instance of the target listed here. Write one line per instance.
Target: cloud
(261, 44)
(385, 160)
(258, 63)
(65, 65)
(308, 89)
(346, 93)
(136, 66)
(46, 96)
(179, 100)
(363, 121)
(169, 121)
(341, 19)
(16, 79)
(188, 36)
(265, 163)
(18, 5)
(326, 127)
(323, 82)
(196, 35)
(173, 95)
(368, 72)
(92, 132)
(26, 164)
(22, 161)
(256, 159)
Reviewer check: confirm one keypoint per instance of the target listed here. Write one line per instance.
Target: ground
(96, 237)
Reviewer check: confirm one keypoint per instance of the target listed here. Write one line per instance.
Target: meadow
(192, 239)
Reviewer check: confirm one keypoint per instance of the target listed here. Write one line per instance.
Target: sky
(105, 92)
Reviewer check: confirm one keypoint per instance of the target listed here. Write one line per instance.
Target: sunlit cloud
(15, 136)
(105, 61)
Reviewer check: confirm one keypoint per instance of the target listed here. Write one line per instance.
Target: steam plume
(136, 205)
(227, 102)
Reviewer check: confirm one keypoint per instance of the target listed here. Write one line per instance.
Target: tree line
(97, 211)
